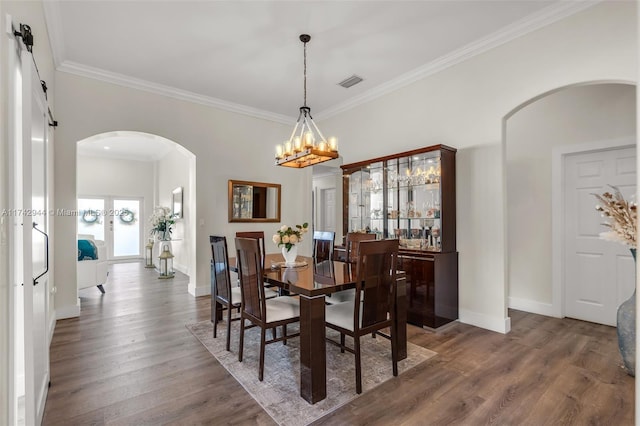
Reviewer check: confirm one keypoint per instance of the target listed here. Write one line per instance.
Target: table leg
(313, 354)
(400, 318)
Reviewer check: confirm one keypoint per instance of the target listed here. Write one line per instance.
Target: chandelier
(306, 145)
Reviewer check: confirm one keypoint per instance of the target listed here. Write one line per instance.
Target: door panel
(114, 220)
(598, 275)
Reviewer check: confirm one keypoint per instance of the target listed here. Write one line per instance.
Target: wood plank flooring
(129, 360)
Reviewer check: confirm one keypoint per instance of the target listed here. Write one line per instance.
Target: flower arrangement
(623, 215)
(289, 236)
(161, 221)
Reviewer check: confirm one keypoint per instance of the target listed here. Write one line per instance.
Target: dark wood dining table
(313, 282)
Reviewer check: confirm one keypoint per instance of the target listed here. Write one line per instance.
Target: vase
(164, 236)
(290, 256)
(626, 329)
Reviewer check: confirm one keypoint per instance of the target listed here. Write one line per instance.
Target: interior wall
(573, 115)
(463, 106)
(226, 146)
(173, 171)
(104, 176)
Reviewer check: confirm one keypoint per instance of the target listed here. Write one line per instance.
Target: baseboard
(532, 306)
(198, 291)
(500, 325)
(180, 268)
(52, 328)
(68, 311)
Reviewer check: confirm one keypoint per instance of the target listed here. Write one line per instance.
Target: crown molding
(53, 22)
(540, 19)
(161, 89)
(524, 26)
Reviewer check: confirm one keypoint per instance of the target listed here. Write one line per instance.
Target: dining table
(313, 281)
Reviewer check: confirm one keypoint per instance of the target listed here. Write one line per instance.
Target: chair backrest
(376, 282)
(250, 273)
(256, 235)
(220, 277)
(323, 245)
(352, 242)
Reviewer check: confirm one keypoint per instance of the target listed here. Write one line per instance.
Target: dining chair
(259, 236)
(352, 242)
(221, 290)
(323, 245)
(255, 308)
(373, 307)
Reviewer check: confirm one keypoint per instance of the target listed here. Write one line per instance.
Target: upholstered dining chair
(323, 245)
(352, 242)
(222, 291)
(259, 236)
(255, 308)
(373, 307)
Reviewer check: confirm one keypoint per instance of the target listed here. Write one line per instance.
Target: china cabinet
(411, 196)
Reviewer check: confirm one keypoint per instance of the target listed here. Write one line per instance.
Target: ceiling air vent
(351, 81)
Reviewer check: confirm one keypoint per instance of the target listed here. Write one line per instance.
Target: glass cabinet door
(402, 197)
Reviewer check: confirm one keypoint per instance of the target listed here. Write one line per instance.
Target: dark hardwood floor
(129, 360)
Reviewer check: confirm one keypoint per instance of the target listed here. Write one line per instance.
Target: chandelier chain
(305, 74)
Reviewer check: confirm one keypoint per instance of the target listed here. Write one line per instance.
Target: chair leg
(356, 347)
(229, 328)
(263, 336)
(101, 288)
(284, 334)
(241, 339)
(215, 319)
(342, 343)
(394, 352)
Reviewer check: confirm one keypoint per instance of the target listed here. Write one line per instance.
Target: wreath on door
(127, 216)
(90, 216)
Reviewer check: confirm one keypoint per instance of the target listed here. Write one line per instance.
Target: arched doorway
(138, 172)
(537, 137)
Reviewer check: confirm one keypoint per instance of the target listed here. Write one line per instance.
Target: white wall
(463, 106)
(571, 116)
(226, 145)
(102, 176)
(173, 171)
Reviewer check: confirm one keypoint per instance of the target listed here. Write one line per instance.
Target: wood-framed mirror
(254, 201)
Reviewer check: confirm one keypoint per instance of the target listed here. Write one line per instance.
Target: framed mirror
(176, 202)
(254, 201)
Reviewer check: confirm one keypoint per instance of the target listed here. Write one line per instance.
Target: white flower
(283, 228)
(285, 239)
(276, 239)
(293, 239)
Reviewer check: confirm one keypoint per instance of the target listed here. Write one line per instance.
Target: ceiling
(245, 56)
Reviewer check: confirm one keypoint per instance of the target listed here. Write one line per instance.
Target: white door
(28, 245)
(598, 275)
(328, 210)
(118, 221)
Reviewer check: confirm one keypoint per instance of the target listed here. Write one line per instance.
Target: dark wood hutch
(411, 196)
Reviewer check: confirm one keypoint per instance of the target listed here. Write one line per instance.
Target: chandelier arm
(317, 129)
(295, 127)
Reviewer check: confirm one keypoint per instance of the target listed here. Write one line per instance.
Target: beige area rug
(279, 393)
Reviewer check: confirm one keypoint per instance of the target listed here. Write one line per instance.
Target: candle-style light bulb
(278, 151)
(333, 143)
(308, 139)
(287, 148)
(297, 143)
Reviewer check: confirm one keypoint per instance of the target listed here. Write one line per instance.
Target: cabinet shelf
(398, 188)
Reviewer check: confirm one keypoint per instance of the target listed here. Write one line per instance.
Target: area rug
(279, 393)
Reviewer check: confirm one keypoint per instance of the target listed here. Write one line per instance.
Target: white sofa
(93, 272)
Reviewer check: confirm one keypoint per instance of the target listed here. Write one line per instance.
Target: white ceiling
(246, 56)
